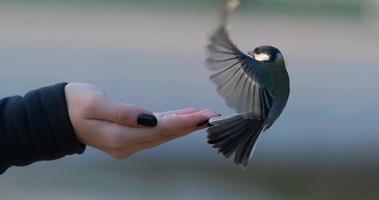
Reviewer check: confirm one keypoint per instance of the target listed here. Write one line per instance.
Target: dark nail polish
(206, 122)
(147, 120)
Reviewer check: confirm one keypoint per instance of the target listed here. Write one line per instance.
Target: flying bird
(256, 85)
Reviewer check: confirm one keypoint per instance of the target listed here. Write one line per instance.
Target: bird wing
(237, 77)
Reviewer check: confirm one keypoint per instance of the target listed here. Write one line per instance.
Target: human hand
(122, 130)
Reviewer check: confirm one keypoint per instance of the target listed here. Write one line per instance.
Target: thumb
(124, 114)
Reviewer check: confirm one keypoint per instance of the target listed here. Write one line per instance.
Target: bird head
(266, 54)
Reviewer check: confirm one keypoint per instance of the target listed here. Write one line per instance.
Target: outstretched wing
(237, 77)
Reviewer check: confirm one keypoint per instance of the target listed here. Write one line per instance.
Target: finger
(171, 127)
(123, 114)
(175, 112)
(187, 122)
(187, 111)
(183, 132)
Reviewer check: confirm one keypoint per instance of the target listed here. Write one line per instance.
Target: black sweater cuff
(36, 127)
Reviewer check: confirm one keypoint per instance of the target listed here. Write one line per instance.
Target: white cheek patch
(262, 57)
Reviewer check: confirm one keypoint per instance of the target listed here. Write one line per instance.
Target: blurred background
(151, 52)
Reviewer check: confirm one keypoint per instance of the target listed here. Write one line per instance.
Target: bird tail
(235, 134)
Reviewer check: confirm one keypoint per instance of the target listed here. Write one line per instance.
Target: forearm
(36, 127)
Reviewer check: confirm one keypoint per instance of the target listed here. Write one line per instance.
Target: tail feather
(244, 151)
(236, 134)
(220, 134)
(230, 146)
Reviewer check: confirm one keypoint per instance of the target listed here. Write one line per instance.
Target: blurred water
(326, 140)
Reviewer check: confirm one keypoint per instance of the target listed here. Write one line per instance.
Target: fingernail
(147, 120)
(206, 122)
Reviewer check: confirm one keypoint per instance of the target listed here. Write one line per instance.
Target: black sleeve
(36, 127)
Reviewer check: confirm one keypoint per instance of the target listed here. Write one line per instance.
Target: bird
(256, 85)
